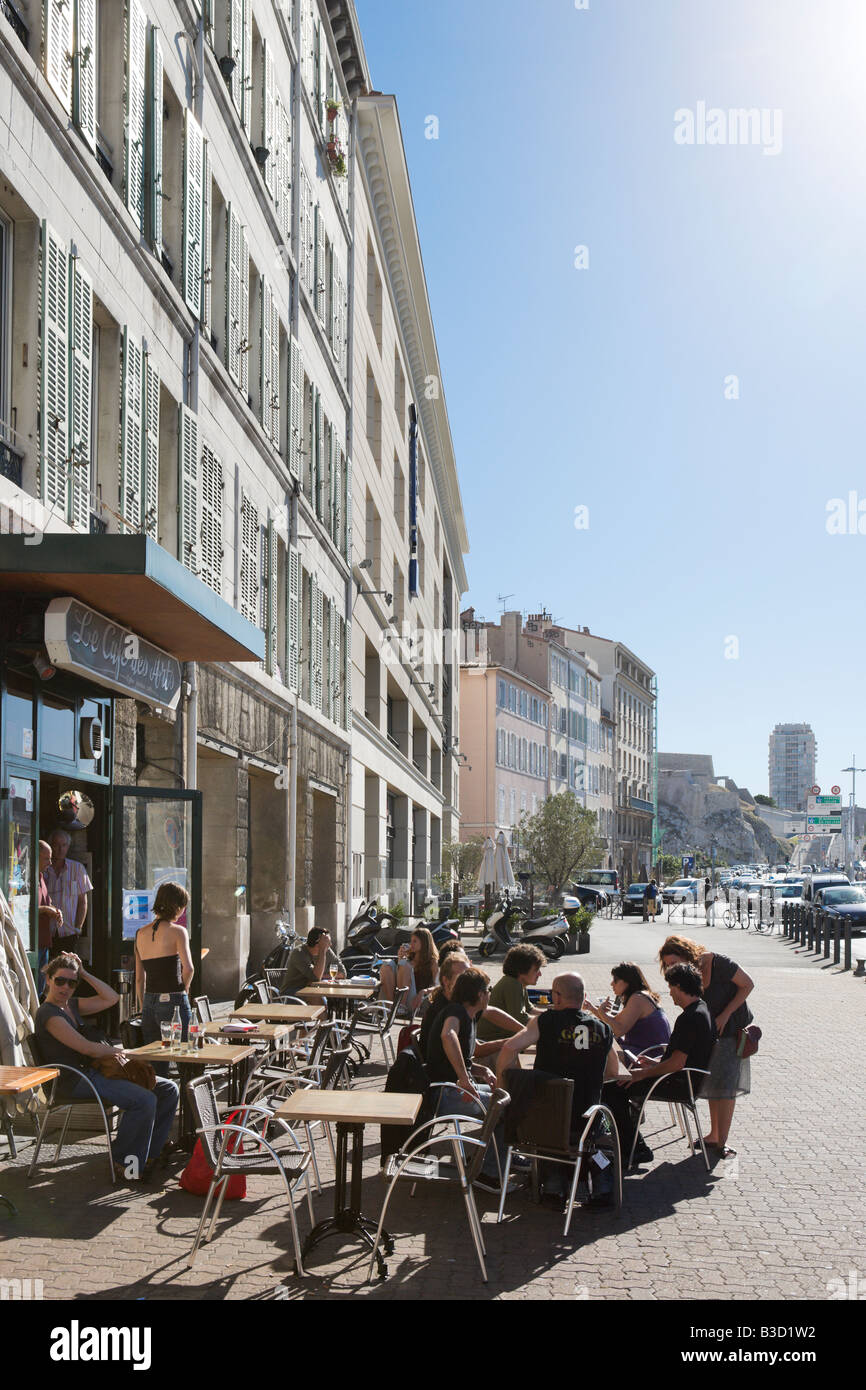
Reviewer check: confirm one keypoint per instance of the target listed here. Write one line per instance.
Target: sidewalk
(781, 1220)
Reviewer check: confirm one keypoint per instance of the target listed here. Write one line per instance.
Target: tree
(561, 840)
(461, 860)
(764, 800)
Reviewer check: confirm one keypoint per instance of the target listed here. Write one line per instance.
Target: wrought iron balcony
(11, 461)
(10, 13)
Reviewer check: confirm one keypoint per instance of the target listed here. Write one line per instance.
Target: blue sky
(605, 387)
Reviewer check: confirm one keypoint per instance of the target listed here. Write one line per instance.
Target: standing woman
(163, 964)
(726, 988)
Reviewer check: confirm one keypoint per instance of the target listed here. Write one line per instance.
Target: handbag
(134, 1069)
(748, 1039)
(197, 1176)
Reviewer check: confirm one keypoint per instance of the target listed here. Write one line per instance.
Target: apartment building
(177, 249)
(409, 539)
(791, 760)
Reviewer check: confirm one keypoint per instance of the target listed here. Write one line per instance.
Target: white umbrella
(504, 874)
(487, 871)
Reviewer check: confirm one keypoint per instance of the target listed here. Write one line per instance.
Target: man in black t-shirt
(690, 1045)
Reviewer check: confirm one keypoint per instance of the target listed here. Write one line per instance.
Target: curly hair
(683, 948)
(520, 959)
(687, 978)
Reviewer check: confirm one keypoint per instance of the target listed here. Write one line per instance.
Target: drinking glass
(165, 1034)
(332, 971)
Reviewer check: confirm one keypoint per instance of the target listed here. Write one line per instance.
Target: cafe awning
(134, 581)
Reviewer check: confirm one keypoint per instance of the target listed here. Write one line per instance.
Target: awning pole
(292, 813)
(192, 728)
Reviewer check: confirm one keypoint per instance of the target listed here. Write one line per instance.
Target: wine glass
(333, 971)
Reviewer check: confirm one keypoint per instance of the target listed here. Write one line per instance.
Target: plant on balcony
(336, 158)
(331, 109)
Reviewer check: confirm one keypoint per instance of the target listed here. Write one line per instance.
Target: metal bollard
(826, 927)
(836, 942)
(847, 945)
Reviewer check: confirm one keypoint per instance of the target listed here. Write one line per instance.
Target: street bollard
(810, 934)
(848, 945)
(836, 942)
(826, 926)
(786, 919)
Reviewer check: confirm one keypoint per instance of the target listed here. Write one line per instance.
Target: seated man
(311, 961)
(454, 964)
(690, 1045)
(520, 970)
(147, 1115)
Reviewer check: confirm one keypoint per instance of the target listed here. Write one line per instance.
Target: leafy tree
(764, 800)
(561, 840)
(461, 860)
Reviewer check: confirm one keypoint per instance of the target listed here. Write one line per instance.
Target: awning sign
(79, 639)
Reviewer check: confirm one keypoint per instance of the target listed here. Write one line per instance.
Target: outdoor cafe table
(280, 1013)
(336, 994)
(350, 1111)
(15, 1081)
(195, 1064)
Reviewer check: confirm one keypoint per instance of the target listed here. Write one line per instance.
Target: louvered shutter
(80, 396)
(249, 559)
(303, 239)
(295, 441)
(211, 519)
(319, 268)
(318, 479)
(207, 243)
(233, 293)
(193, 213)
(131, 398)
(244, 329)
(84, 87)
(316, 643)
(336, 490)
(136, 52)
(348, 512)
(293, 617)
(333, 659)
(284, 172)
(188, 490)
(275, 373)
(235, 42)
(344, 320)
(273, 606)
(271, 113)
(309, 233)
(307, 45)
(265, 384)
(336, 297)
(155, 141)
(57, 43)
(347, 675)
(151, 448)
(247, 64)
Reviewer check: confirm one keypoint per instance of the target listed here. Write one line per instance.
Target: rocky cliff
(695, 813)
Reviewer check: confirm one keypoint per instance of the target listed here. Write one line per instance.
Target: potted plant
(339, 166)
(579, 924)
(331, 109)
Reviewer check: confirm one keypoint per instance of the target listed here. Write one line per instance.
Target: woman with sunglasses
(61, 1038)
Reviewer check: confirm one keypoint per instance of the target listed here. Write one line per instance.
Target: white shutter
(347, 675)
(275, 373)
(334, 301)
(247, 65)
(293, 616)
(344, 321)
(318, 71)
(318, 479)
(265, 383)
(155, 141)
(333, 658)
(211, 519)
(303, 241)
(295, 441)
(84, 93)
(316, 643)
(136, 52)
(348, 511)
(233, 292)
(131, 396)
(188, 490)
(235, 43)
(284, 171)
(193, 214)
(336, 490)
(249, 559)
(151, 448)
(57, 45)
(271, 114)
(80, 395)
(319, 267)
(273, 605)
(207, 243)
(243, 349)
(307, 45)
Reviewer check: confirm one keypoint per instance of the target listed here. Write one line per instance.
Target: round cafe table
(17, 1081)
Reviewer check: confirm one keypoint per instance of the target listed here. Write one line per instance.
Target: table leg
(349, 1220)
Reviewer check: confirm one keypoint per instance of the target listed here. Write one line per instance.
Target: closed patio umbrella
(504, 874)
(487, 871)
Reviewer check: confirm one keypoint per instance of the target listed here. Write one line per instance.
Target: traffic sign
(835, 790)
(815, 791)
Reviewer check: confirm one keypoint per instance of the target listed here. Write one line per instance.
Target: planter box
(583, 943)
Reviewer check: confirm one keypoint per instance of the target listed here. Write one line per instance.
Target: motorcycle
(276, 959)
(549, 933)
(374, 934)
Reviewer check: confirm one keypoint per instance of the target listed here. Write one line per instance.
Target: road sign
(824, 823)
(815, 791)
(835, 790)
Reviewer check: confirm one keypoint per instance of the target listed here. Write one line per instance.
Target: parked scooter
(276, 959)
(549, 934)
(374, 934)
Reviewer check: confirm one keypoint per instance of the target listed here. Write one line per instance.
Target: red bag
(407, 1035)
(197, 1176)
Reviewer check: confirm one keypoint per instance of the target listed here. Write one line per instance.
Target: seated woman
(147, 1115)
(452, 966)
(417, 966)
(641, 1024)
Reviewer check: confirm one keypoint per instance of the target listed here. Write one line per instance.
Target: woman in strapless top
(163, 963)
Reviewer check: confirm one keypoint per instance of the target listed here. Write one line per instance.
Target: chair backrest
(205, 1013)
(263, 990)
(498, 1102)
(333, 1073)
(202, 1097)
(321, 1040)
(547, 1122)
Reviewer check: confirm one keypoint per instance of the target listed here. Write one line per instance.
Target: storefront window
(57, 718)
(18, 811)
(18, 717)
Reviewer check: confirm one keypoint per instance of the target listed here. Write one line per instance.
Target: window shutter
(235, 42)
(319, 454)
(319, 271)
(273, 606)
(265, 383)
(233, 293)
(284, 171)
(271, 115)
(331, 643)
(316, 623)
(211, 519)
(155, 140)
(295, 442)
(84, 72)
(207, 243)
(193, 214)
(344, 320)
(151, 448)
(57, 43)
(244, 328)
(348, 511)
(249, 559)
(319, 72)
(347, 675)
(247, 65)
(188, 489)
(334, 300)
(336, 499)
(136, 52)
(81, 383)
(293, 618)
(131, 398)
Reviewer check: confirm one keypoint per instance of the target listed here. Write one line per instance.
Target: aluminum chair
(545, 1134)
(205, 1013)
(283, 1157)
(684, 1108)
(63, 1105)
(416, 1163)
(376, 1019)
(276, 1089)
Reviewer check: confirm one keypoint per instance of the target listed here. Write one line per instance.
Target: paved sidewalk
(781, 1220)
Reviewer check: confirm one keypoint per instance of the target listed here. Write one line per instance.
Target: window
(400, 393)
(374, 418)
(374, 295)
(399, 496)
(501, 695)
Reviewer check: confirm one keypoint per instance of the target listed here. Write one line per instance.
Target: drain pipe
(292, 814)
(191, 728)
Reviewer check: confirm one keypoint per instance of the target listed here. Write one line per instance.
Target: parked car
(844, 904)
(633, 900)
(681, 890)
(608, 879)
(585, 895)
(814, 882)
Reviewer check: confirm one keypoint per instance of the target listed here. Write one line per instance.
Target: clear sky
(608, 387)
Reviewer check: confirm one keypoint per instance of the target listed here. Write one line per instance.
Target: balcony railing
(11, 461)
(10, 13)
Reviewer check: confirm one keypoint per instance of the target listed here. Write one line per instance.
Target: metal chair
(284, 1157)
(58, 1104)
(683, 1107)
(545, 1134)
(205, 1013)
(377, 1019)
(418, 1165)
(276, 1089)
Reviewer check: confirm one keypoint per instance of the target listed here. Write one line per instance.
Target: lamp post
(851, 836)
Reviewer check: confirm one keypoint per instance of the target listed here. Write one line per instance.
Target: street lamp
(852, 827)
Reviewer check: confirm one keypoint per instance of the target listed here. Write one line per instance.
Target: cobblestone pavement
(781, 1220)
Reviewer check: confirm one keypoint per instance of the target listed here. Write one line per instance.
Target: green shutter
(316, 643)
(80, 395)
(84, 71)
(318, 479)
(347, 518)
(188, 489)
(131, 399)
(154, 140)
(211, 519)
(273, 606)
(249, 559)
(193, 214)
(293, 617)
(295, 441)
(136, 54)
(150, 460)
(347, 675)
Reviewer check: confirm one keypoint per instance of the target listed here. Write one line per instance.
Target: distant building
(792, 765)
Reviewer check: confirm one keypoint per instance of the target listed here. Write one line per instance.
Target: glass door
(156, 836)
(20, 854)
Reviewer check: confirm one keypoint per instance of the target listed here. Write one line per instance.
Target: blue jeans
(146, 1120)
(452, 1101)
(159, 1009)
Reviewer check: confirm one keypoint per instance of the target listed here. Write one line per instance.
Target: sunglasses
(71, 980)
